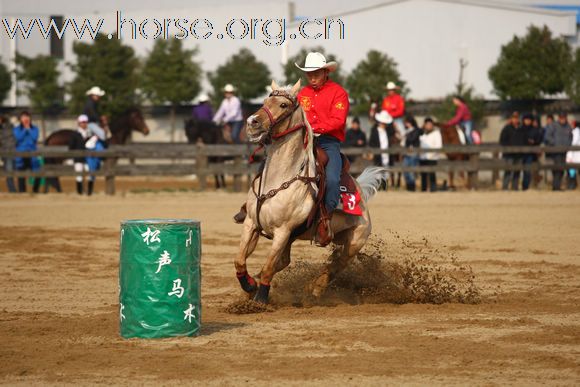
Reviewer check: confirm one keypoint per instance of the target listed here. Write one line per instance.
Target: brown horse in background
(121, 127)
(451, 136)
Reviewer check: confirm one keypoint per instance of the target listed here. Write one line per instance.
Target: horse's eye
(284, 105)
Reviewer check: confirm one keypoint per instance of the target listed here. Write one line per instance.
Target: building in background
(427, 38)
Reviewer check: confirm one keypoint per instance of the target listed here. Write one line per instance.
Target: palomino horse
(283, 195)
(121, 127)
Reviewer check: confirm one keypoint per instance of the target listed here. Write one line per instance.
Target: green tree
(292, 73)
(573, 85)
(5, 82)
(532, 66)
(109, 64)
(171, 75)
(366, 83)
(248, 75)
(40, 75)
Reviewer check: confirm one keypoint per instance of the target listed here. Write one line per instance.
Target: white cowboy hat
(202, 98)
(229, 88)
(384, 117)
(96, 90)
(391, 86)
(83, 118)
(316, 61)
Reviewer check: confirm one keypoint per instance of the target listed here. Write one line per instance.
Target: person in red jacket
(326, 106)
(394, 104)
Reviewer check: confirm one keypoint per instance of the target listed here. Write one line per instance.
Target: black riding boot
(79, 187)
(90, 187)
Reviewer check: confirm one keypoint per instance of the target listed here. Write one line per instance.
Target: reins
(261, 198)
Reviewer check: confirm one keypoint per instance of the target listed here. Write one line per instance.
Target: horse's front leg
(279, 245)
(248, 244)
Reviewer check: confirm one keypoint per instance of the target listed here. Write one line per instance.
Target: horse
(121, 127)
(452, 135)
(288, 180)
(207, 132)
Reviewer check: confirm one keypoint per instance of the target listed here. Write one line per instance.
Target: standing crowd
(528, 131)
(91, 133)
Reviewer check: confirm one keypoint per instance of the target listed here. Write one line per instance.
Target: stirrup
(327, 234)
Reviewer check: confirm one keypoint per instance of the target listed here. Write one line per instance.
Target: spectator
(7, 143)
(524, 136)
(549, 124)
(83, 139)
(558, 134)
(97, 122)
(430, 139)
(506, 138)
(230, 112)
(574, 157)
(379, 137)
(26, 136)
(394, 104)
(535, 137)
(412, 142)
(462, 118)
(355, 137)
(202, 112)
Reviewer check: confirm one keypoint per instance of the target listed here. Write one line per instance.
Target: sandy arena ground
(59, 302)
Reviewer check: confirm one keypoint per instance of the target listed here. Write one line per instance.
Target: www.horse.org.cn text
(269, 31)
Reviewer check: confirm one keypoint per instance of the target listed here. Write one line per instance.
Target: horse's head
(277, 108)
(137, 122)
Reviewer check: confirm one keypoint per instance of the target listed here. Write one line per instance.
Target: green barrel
(160, 278)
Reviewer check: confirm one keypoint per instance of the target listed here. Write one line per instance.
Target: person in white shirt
(230, 112)
(574, 157)
(431, 139)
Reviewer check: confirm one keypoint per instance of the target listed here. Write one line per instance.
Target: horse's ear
(296, 87)
(274, 85)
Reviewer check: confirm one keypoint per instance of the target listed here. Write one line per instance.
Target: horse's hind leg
(353, 241)
(248, 243)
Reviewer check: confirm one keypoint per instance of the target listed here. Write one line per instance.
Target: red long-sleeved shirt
(461, 114)
(326, 108)
(394, 105)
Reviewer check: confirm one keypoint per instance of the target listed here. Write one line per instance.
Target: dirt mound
(424, 275)
(247, 307)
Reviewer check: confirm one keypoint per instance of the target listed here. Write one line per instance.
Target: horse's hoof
(248, 284)
(262, 294)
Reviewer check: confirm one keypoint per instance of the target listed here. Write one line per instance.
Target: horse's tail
(370, 181)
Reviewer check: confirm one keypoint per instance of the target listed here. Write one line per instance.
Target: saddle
(347, 182)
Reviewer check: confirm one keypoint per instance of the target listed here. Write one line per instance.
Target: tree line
(531, 67)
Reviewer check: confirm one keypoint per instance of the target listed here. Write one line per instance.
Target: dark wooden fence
(163, 159)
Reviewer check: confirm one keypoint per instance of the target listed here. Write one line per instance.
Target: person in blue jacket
(26, 137)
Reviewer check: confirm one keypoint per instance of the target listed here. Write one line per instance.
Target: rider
(326, 106)
(91, 110)
(230, 112)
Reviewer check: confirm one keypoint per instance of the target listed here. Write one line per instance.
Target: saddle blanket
(350, 202)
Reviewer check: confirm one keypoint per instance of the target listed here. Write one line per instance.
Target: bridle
(261, 198)
(275, 121)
